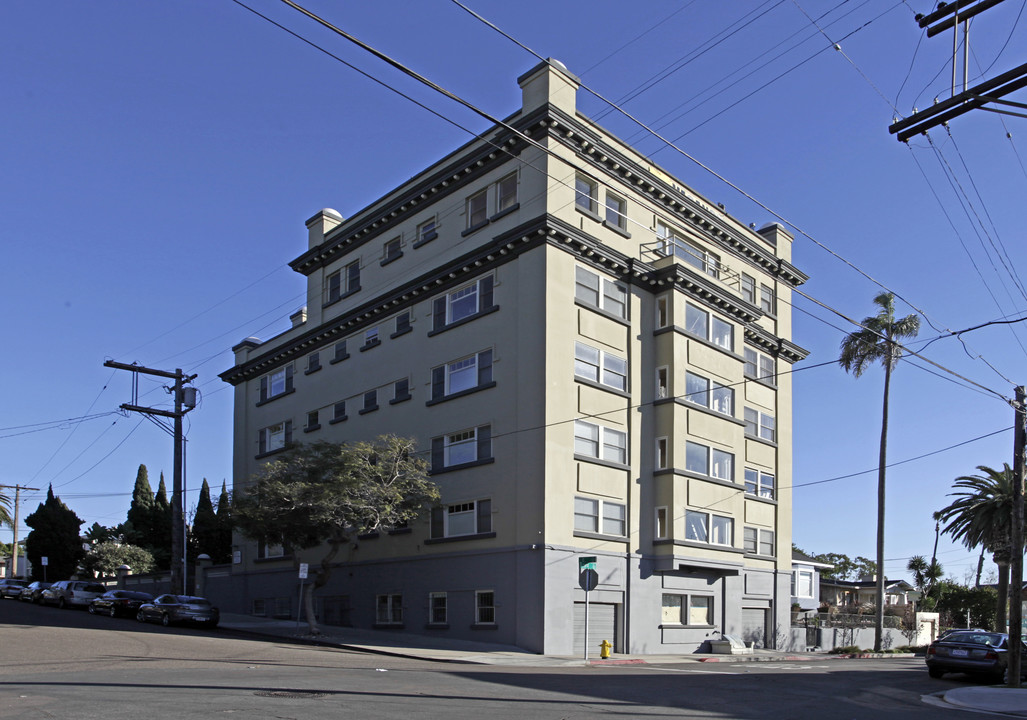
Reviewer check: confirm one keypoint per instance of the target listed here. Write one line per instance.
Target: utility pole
(1016, 541)
(17, 517)
(185, 400)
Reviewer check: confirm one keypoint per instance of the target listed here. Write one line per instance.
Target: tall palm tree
(877, 340)
(982, 516)
(5, 505)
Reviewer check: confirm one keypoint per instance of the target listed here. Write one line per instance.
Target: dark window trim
(601, 536)
(276, 451)
(461, 393)
(464, 320)
(690, 336)
(605, 313)
(404, 331)
(762, 441)
(760, 498)
(333, 421)
(348, 293)
(462, 466)
(761, 380)
(400, 399)
(601, 461)
(588, 212)
(311, 371)
(700, 408)
(339, 359)
(312, 428)
(699, 476)
(427, 238)
(275, 397)
(513, 208)
(364, 411)
(457, 538)
(600, 386)
(393, 258)
(474, 228)
(368, 345)
(616, 228)
(705, 546)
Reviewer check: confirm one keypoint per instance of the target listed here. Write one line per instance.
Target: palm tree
(925, 576)
(982, 516)
(877, 340)
(5, 504)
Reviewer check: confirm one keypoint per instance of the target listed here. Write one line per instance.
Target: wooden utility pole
(1016, 542)
(17, 518)
(183, 404)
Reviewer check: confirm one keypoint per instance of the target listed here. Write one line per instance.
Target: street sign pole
(299, 600)
(588, 578)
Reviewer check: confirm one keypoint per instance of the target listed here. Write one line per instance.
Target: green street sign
(587, 563)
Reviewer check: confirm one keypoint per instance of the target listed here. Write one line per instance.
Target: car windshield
(187, 600)
(991, 639)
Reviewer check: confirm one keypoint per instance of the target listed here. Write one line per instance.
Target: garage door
(602, 625)
(754, 626)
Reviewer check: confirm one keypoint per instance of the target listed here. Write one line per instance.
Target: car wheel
(935, 672)
(112, 612)
(140, 616)
(62, 604)
(165, 620)
(92, 609)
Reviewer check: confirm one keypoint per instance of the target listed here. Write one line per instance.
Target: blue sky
(158, 160)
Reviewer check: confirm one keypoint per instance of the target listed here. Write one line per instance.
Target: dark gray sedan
(976, 652)
(185, 609)
(119, 602)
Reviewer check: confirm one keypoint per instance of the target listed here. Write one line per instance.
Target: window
(484, 607)
(768, 303)
(615, 211)
(339, 411)
(402, 324)
(401, 391)
(687, 610)
(389, 610)
(747, 286)
(802, 583)
(462, 448)
(343, 282)
(426, 232)
(661, 523)
(709, 327)
(333, 287)
(340, 352)
(716, 397)
(586, 194)
(462, 375)
(370, 401)
(662, 382)
(759, 483)
(600, 442)
(598, 292)
(270, 550)
(313, 362)
(463, 303)
(758, 542)
(673, 243)
(469, 518)
(759, 424)
(662, 455)
(370, 338)
(709, 461)
(506, 193)
(600, 367)
(313, 423)
(477, 209)
(708, 528)
(662, 311)
(274, 437)
(437, 608)
(391, 251)
(759, 365)
(277, 383)
(587, 516)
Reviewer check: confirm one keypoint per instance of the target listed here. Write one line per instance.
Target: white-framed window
(747, 288)
(461, 375)
(703, 391)
(600, 442)
(477, 209)
(275, 383)
(438, 608)
(709, 327)
(598, 292)
(371, 337)
(768, 303)
(705, 460)
(461, 448)
(389, 609)
(463, 303)
(709, 528)
(802, 583)
(426, 232)
(600, 516)
(687, 609)
(484, 607)
(662, 453)
(616, 211)
(663, 311)
(468, 518)
(342, 282)
(662, 528)
(586, 194)
(506, 192)
(758, 541)
(600, 366)
(760, 424)
(759, 483)
(690, 253)
(759, 365)
(274, 437)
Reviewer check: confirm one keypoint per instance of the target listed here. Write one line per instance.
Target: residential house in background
(806, 581)
(596, 361)
(848, 596)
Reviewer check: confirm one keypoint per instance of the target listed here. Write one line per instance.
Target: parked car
(119, 602)
(33, 591)
(72, 593)
(977, 652)
(169, 609)
(11, 587)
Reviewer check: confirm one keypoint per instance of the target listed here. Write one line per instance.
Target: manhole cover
(290, 693)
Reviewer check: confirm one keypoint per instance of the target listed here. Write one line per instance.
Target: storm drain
(290, 693)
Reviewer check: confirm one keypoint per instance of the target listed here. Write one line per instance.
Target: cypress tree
(223, 548)
(54, 536)
(159, 543)
(138, 527)
(205, 525)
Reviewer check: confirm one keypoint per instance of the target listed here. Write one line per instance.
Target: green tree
(54, 536)
(106, 557)
(138, 527)
(925, 577)
(98, 533)
(878, 341)
(982, 516)
(960, 606)
(205, 525)
(159, 543)
(223, 547)
(5, 508)
(324, 495)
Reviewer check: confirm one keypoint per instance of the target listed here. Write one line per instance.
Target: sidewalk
(998, 700)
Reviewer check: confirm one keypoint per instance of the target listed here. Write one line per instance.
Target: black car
(976, 652)
(33, 592)
(119, 602)
(170, 609)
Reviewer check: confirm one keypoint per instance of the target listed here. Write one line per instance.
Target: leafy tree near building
(962, 606)
(106, 557)
(138, 526)
(55, 536)
(223, 547)
(325, 495)
(204, 536)
(878, 340)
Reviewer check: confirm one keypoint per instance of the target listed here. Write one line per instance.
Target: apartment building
(596, 360)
